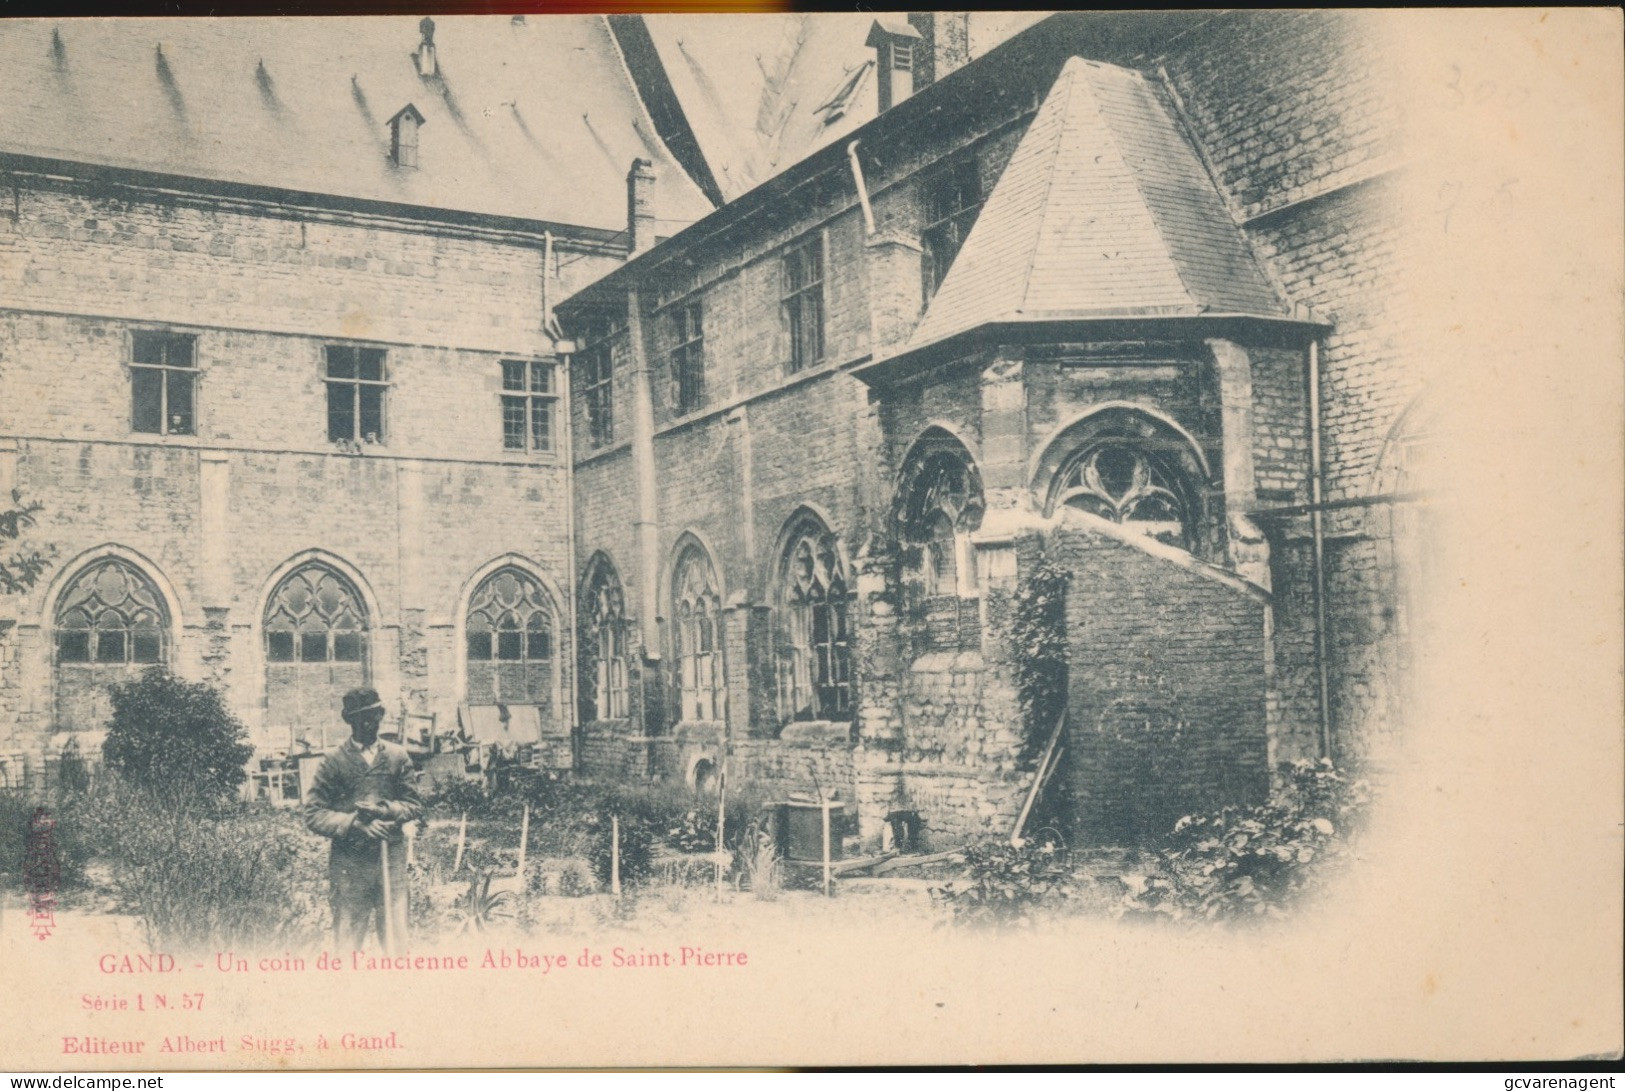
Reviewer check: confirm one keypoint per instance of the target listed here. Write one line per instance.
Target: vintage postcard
(810, 539)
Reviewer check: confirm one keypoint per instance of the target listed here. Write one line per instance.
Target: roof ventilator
(424, 57)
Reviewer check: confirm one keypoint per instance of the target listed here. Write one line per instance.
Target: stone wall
(214, 517)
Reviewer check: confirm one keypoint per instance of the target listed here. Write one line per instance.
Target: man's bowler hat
(361, 700)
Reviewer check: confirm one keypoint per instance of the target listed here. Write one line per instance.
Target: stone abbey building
(659, 398)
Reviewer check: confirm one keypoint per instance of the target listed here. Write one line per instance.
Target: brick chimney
(640, 206)
(946, 46)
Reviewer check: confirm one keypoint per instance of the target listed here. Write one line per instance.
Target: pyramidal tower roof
(1104, 211)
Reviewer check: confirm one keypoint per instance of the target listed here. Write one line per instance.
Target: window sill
(162, 440)
(816, 733)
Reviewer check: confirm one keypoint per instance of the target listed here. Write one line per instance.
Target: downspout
(547, 274)
(568, 452)
(1317, 530)
(648, 499)
(863, 190)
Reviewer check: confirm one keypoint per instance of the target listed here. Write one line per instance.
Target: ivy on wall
(1038, 648)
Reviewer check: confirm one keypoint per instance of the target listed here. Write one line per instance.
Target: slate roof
(751, 85)
(1103, 211)
(535, 118)
(763, 91)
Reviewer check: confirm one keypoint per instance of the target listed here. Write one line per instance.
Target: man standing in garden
(364, 792)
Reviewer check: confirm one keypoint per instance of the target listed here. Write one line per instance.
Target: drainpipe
(567, 452)
(648, 496)
(1317, 529)
(863, 190)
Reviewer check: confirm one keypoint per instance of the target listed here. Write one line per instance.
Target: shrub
(72, 772)
(453, 797)
(1255, 862)
(175, 738)
(1008, 882)
(204, 879)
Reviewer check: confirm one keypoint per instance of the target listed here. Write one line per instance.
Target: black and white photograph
(810, 538)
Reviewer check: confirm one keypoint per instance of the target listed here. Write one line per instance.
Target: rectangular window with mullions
(528, 399)
(952, 201)
(593, 373)
(357, 379)
(163, 383)
(687, 339)
(804, 301)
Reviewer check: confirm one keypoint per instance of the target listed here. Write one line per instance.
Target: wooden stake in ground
(615, 855)
(722, 814)
(388, 908)
(462, 833)
(524, 839)
(823, 809)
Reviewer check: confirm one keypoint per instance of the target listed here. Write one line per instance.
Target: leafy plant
(22, 568)
(1039, 646)
(481, 906)
(1008, 883)
(1256, 862)
(756, 861)
(175, 738)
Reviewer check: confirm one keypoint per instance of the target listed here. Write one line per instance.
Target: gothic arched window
(939, 504)
(697, 636)
(509, 634)
(110, 623)
(316, 647)
(604, 688)
(815, 658)
(1134, 467)
(1125, 484)
(111, 614)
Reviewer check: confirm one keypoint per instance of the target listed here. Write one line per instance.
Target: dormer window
(893, 43)
(403, 136)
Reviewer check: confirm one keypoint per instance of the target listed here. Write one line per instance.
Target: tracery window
(603, 642)
(815, 659)
(111, 613)
(697, 636)
(316, 646)
(509, 637)
(110, 624)
(940, 504)
(1125, 484)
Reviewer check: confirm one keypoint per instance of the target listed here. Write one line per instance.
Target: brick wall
(1295, 113)
(1166, 709)
(1287, 104)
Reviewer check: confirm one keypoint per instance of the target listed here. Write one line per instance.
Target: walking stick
(389, 902)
